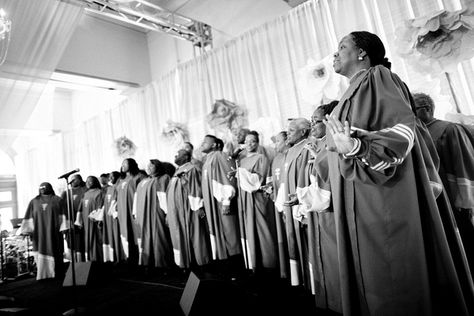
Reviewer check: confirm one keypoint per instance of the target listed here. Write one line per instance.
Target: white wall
(228, 19)
(104, 49)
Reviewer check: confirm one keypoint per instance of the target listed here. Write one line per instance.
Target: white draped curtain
(258, 71)
(40, 32)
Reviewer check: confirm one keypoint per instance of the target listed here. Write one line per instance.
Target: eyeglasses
(42, 187)
(314, 122)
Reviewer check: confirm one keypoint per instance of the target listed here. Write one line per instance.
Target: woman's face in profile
(346, 56)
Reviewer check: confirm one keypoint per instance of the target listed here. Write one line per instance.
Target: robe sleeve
(383, 126)
(194, 189)
(251, 181)
(223, 189)
(458, 152)
(27, 224)
(79, 220)
(317, 196)
(64, 222)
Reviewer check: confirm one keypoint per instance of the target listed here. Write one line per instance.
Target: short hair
(373, 46)
(188, 155)
(328, 107)
(423, 100)
(104, 175)
(219, 144)
(302, 123)
(254, 133)
(190, 145)
(214, 138)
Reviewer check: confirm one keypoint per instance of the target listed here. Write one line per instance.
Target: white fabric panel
(222, 192)
(195, 202)
(249, 182)
(163, 201)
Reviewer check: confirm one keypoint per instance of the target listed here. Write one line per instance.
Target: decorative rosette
(125, 147)
(437, 42)
(317, 82)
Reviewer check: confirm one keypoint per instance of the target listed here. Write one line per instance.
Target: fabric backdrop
(257, 71)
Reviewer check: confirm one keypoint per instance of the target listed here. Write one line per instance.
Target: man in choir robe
(125, 194)
(455, 147)
(113, 250)
(218, 192)
(89, 215)
(256, 213)
(190, 148)
(78, 189)
(296, 224)
(186, 215)
(150, 209)
(44, 220)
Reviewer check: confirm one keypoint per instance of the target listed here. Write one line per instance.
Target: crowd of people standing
(368, 204)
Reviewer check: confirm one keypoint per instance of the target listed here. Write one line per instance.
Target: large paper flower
(226, 116)
(439, 41)
(175, 133)
(125, 147)
(317, 82)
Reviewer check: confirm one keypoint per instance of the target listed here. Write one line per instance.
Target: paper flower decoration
(317, 82)
(439, 41)
(125, 147)
(176, 133)
(226, 116)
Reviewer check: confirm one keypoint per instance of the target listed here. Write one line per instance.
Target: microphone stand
(70, 212)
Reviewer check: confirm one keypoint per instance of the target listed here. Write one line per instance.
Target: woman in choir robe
(90, 217)
(126, 189)
(277, 192)
(186, 215)
(45, 220)
(314, 194)
(394, 258)
(256, 212)
(150, 208)
(113, 250)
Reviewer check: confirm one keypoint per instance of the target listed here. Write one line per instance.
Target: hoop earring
(360, 58)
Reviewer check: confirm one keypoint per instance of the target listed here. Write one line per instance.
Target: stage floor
(121, 290)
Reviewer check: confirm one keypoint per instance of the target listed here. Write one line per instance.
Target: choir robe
(44, 220)
(455, 147)
(277, 173)
(112, 244)
(89, 215)
(186, 218)
(125, 195)
(295, 223)
(218, 191)
(256, 213)
(79, 247)
(394, 257)
(150, 209)
(314, 194)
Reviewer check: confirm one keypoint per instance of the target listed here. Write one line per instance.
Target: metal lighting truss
(153, 17)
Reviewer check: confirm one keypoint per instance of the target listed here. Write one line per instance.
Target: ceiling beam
(151, 17)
